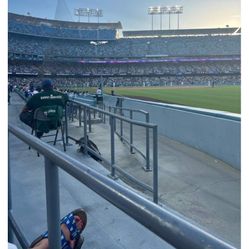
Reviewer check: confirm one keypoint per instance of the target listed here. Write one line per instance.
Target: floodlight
(88, 12)
(99, 12)
(162, 10)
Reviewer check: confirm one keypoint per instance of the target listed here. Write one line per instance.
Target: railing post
(147, 167)
(104, 120)
(110, 110)
(94, 114)
(131, 133)
(89, 120)
(66, 123)
(114, 119)
(121, 126)
(85, 130)
(79, 116)
(155, 165)
(72, 111)
(170, 227)
(112, 147)
(10, 232)
(53, 204)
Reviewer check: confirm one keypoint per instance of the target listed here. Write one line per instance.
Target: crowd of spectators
(175, 32)
(28, 19)
(38, 54)
(127, 69)
(74, 75)
(59, 29)
(130, 81)
(47, 31)
(127, 47)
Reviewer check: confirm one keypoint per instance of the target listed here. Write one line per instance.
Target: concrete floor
(203, 189)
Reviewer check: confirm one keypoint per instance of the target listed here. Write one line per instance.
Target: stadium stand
(180, 32)
(60, 29)
(181, 57)
(137, 47)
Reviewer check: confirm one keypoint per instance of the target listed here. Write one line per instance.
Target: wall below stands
(215, 133)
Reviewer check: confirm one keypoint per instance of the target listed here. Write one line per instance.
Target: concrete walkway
(203, 189)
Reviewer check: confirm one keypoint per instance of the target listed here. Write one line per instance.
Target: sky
(133, 14)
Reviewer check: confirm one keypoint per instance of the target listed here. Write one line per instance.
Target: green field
(218, 98)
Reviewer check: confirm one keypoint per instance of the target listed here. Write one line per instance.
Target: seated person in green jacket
(46, 97)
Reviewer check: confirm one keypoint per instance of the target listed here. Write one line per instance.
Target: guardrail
(164, 223)
(129, 140)
(193, 127)
(86, 109)
(74, 109)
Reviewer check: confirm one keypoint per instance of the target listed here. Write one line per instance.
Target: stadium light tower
(153, 11)
(163, 10)
(88, 12)
(178, 10)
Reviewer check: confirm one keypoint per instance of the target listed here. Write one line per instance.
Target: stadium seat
(49, 118)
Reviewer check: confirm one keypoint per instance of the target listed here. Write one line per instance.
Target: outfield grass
(218, 98)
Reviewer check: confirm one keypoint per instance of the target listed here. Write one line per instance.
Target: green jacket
(46, 98)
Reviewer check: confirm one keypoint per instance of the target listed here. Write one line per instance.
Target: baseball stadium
(147, 142)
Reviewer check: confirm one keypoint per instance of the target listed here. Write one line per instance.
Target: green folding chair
(47, 119)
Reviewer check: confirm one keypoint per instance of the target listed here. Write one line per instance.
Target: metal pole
(160, 21)
(155, 165)
(9, 180)
(53, 204)
(94, 114)
(114, 119)
(169, 226)
(152, 21)
(169, 20)
(15, 229)
(178, 21)
(104, 114)
(89, 120)
(121, 126)
(71, 111)
(66, 123)
(10, 232)
(131, 133)
(85, 130)
(112, 147)
(80, 116)
(147, 144)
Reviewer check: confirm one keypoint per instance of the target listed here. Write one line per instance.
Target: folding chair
(49, 118)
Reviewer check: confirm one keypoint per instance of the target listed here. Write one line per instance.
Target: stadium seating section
(140, 58)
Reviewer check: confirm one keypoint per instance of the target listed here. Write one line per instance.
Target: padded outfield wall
(213, 132)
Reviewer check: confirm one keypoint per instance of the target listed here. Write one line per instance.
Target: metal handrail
(18, 232)
(146, 114)
(136, 122)
(172, 228)
(112, 118)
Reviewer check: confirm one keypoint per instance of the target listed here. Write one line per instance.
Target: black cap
(46, 83)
